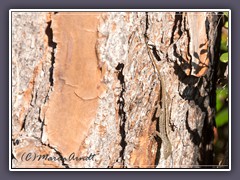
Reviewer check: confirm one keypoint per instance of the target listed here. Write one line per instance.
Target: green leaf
(219, 104)
(224, 57)
(225, 13)
(221, 95)
(226, 24)
(224, 41)
(222, 117)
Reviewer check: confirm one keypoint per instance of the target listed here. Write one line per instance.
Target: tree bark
(85, 90)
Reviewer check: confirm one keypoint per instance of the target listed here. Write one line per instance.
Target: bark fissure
(60, 155)
(206, 156)
(57, 152)
(42, 127)
(24, 123)
(177, 25)
(53, 45)
(47, 96)
(121, 112)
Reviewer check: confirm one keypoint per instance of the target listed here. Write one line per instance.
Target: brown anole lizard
(164, 116)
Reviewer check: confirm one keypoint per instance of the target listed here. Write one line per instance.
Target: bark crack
(177, 25)
(121, 111)
(24, 122)
(53, 45)
(153, 47)
(59, 154)
(56, 151)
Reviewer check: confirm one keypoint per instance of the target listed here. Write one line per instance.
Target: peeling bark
(85, 92)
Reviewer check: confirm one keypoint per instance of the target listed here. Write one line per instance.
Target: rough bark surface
(83, 85)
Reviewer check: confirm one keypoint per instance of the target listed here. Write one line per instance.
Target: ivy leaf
(221, 95)
(222, 117)
(226, 24)
(224, 41)
(224, 57)
(225, 13)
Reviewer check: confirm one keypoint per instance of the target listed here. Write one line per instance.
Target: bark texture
(85, 91)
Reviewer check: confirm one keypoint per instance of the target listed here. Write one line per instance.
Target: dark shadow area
(52, 44)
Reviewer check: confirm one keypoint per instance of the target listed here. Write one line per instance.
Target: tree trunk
(86, 89)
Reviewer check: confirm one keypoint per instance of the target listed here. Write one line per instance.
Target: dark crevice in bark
(36, 96)
(56, 151)
(206, 153)
(214, 52)
(207, 131)
(153, 47)
(41, 128)
(32, 96)
(147, 23)
(207, 26)
(154, 50)
(53, 45)
(24, 122)
(159, 147)
(177, 24)
(42, 121)
(39, 113)
(60, 155)
(47, 96)
(121, 112)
